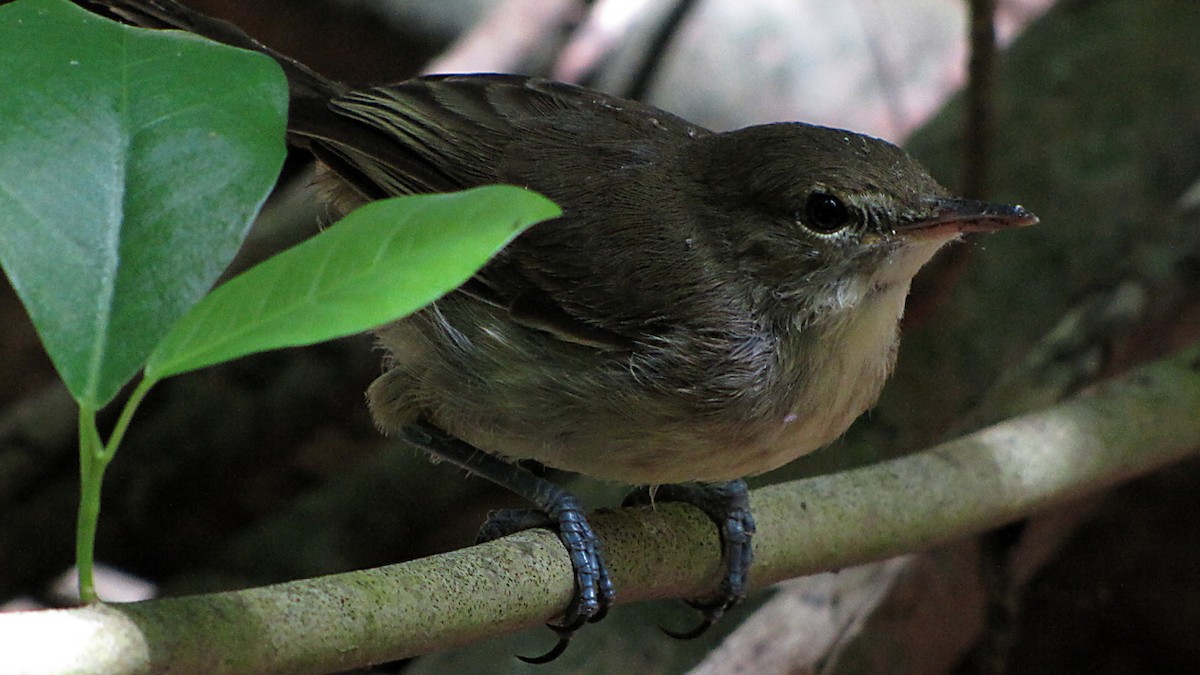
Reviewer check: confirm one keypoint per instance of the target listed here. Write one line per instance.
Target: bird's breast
(834, 373)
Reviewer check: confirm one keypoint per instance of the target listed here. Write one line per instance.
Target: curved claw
(710, 613)
(599, 616)
(555, 651)
(565, 633)
(692, 634)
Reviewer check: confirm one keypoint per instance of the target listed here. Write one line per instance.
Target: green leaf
(131, 165)
(383, 261)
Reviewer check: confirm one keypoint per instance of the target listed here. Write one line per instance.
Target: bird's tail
(302, 80)
(376, 159)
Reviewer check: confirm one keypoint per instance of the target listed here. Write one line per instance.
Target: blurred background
(269, 468)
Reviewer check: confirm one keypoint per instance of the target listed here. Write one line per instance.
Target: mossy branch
(1125, 427)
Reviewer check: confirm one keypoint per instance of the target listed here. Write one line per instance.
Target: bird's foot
(594, 592)
(728, 505)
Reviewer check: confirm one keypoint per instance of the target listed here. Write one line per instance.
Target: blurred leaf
(383, 261)
(131, 165)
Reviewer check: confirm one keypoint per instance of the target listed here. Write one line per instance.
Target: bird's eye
(825, 213)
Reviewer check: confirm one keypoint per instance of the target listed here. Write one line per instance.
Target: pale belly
(652, 446)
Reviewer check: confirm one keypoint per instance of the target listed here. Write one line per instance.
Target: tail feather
(311, 123)
(303, 81)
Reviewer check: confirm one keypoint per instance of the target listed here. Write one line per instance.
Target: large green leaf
(383, 261)
(131, 164)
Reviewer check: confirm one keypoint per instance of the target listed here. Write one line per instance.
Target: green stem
(94, 456)
(91, 472)
(131, 406)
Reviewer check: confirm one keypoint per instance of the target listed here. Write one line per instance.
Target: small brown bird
(709, 306)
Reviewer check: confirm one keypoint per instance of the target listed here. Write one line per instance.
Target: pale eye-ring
(825, 213)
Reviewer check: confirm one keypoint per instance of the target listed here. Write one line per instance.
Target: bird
(709, 305)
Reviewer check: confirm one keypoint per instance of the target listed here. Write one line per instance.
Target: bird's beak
(950, 216)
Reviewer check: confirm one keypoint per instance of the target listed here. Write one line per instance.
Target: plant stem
(131, 406)
(91, 472)
(94, 456)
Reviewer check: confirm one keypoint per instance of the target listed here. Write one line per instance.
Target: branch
(980, 91)
(1125, 427)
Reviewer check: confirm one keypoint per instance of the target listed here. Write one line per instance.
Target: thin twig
(980, 86)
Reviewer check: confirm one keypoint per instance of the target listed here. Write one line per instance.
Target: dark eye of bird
(825, 213)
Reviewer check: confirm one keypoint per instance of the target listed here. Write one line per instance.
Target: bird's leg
(728, 505)
(557, 509)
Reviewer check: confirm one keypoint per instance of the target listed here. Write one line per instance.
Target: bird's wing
(577, 146)
(450, 132)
